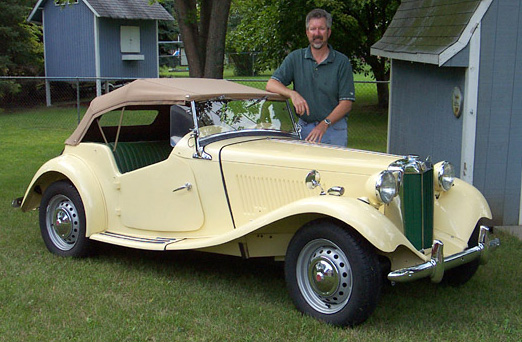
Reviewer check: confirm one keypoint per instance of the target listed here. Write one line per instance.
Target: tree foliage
(21, 50)
(272, 28)
(167, 30)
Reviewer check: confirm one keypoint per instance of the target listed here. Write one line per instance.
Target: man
(323, 84)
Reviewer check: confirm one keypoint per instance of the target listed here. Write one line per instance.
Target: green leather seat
(130, 156)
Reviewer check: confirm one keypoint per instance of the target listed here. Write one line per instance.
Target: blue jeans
(336, 134)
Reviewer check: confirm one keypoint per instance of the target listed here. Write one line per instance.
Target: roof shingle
(129, 9)
(115, 9)
(422, 30)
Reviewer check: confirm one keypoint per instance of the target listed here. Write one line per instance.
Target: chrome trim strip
(438, 264)
(157, 240)
(260, 133)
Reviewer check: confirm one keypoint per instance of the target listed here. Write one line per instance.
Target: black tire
(332, 274)
(62, 221)
(462, 274)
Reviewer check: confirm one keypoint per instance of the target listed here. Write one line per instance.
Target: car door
(161, 197)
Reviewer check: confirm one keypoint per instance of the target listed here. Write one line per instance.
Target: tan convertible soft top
(164, 91)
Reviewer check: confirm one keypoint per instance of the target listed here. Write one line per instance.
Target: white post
(48, 92)
(469, 114)
(97, 56)
(520, 210)
(390, 89)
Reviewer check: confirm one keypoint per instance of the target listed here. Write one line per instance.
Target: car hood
(299, 154)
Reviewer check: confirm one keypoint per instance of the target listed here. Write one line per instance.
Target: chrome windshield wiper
(256, 101)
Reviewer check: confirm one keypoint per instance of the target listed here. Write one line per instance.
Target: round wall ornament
(457, 100)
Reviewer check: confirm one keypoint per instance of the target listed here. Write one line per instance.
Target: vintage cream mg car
(215, 166)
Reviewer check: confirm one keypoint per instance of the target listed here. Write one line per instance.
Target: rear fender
(71, 168)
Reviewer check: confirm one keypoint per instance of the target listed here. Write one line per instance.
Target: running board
(156, 244)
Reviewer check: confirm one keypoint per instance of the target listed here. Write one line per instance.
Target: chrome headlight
(386, 187)
(445, 173)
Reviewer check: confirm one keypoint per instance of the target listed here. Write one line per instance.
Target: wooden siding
(111, 63)
(69, 43)
(422, 119)
(498, 153)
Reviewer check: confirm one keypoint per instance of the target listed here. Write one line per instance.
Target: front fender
(368, 221)
(71, 168)
(458, 210)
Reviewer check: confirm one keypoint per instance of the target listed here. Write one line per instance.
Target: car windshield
(261, 115)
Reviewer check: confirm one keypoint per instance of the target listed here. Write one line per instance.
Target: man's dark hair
(319, 13)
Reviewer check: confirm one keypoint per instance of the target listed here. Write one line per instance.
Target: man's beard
(319, 44)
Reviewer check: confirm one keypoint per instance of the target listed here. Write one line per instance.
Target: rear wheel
(332, 274)
(62, 221)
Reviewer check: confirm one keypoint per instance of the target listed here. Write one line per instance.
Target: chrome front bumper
(438, 264)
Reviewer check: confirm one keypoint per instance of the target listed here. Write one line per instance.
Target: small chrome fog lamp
(386, 186)
(445, 173)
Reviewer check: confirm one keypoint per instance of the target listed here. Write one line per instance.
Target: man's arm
(300, 104)
(338, 113)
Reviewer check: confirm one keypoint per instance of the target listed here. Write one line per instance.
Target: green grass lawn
(130, 295)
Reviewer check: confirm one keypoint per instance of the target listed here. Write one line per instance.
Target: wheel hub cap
(324, 277)
(62, 223)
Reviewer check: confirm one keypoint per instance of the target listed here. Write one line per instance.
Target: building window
(130, 39)
(65, 2)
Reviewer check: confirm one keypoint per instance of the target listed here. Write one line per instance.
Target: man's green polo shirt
(321, 85)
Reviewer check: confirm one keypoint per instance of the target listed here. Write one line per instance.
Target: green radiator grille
(417, 208)
(417, 200)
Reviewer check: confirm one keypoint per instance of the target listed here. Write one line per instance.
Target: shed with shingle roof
(99, 39)
(456, 73)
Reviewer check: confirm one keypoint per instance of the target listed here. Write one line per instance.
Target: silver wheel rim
(62, 222)
(324, 276)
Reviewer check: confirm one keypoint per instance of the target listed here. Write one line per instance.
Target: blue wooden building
(102, 39)
(456, 80)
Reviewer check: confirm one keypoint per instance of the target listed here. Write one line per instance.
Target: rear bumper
(438, 264)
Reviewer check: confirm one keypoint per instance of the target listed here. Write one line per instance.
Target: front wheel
(332, 274)
(62, 221)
